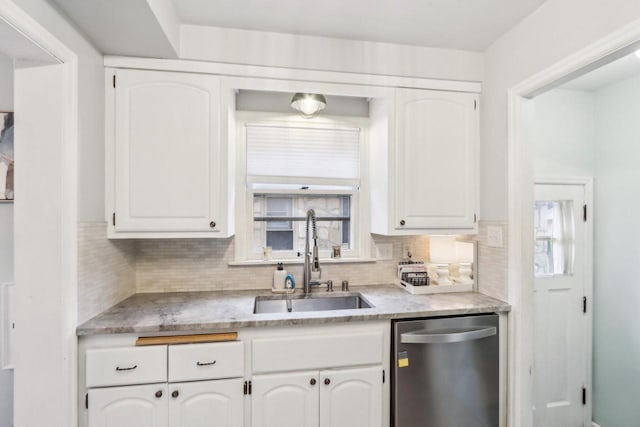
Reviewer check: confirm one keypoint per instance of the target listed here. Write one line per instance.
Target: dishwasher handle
(447, 336)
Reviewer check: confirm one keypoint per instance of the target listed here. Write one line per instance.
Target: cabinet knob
(175, 394)
(159, 394)
(327, 381)
(402, 222)
(312, 381)
(212, 224)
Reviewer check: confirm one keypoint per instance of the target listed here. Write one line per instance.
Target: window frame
(359, 191)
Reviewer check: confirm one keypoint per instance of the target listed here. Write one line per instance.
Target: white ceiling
(16, 46)
(151, 28)
(616, 71)
(456, 24)
(120, 27)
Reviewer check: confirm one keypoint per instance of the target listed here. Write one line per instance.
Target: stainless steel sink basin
(298, 303)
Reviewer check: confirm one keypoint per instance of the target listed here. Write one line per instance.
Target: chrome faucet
(312, 271)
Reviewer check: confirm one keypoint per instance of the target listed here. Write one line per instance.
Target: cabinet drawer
(126, 365)
(192, 362)
(317, 352)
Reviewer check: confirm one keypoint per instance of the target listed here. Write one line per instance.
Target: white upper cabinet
(424, 173)
(168, 155)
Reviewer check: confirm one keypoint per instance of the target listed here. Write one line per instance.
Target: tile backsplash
(203, 265)
(106, 269)
(110, 271)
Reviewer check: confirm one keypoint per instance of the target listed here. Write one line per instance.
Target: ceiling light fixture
(638, 53)
(308, 104)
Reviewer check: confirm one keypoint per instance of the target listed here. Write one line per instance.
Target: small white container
(279, 277)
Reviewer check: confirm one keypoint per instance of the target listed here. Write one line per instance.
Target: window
(554, 238)
(290, 167)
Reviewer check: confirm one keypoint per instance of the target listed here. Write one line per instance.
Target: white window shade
(309, 153)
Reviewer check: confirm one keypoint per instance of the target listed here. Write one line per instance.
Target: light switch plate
(384, 251)
(494, 236)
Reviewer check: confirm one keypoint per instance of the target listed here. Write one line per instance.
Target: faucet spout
(311, 259)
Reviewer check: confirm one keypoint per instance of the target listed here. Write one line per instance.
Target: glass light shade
(442, 249)
(464, 252)
(637, 52)
(308, 104)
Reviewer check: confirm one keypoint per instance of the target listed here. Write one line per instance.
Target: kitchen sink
(299, 303)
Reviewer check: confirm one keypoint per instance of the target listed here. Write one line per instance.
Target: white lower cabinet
(217, 403)
(131, 406)
(285, 400)
(351, 397)
(338, 397)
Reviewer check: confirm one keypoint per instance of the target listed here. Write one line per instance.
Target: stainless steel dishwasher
(446, 372)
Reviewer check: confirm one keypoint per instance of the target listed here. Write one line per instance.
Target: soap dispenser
(279, 276)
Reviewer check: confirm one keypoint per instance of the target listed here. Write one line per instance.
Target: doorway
(44, 79)
(562, 288)
(521, 140)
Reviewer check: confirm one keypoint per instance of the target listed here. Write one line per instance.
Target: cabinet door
(285, 400)
(436, 158)
(132, 406)
(351, 397)
(216, 403)
(166, 151)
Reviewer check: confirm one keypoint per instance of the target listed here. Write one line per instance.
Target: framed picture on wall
(6, 156)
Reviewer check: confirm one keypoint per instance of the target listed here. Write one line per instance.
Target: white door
(134, 406)
(217, 403)
(351, 397)
(561, 348)
(436, 158)
(166, 148)
(285, 400)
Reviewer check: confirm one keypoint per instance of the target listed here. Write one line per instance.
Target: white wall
(564, 134)
(6, 244)
(324, 53)
(90, 105)
(45, 388)
(617, 255)
(555, 30)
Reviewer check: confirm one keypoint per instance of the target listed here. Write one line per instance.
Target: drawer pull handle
(159, 394)
(206, 363)
(119, 369)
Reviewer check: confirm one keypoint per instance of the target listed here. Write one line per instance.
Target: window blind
(277, 150)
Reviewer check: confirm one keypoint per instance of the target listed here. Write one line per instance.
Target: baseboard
(594, 424)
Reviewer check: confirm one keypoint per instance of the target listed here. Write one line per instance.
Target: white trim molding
(520, 116)
(292, 74)
(64, 237)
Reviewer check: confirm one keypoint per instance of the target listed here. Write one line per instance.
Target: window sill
(301, 261)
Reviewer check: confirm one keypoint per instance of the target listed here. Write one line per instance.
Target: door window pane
(554, 230)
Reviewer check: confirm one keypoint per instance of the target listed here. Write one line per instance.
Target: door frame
(587, 184)
(520, 116)
(67, 240)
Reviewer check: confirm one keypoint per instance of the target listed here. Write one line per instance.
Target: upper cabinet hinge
(113, 219)
(584, 213)
(584, 304)
(114, 81)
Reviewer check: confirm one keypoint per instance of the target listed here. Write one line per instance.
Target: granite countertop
(198, 311)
